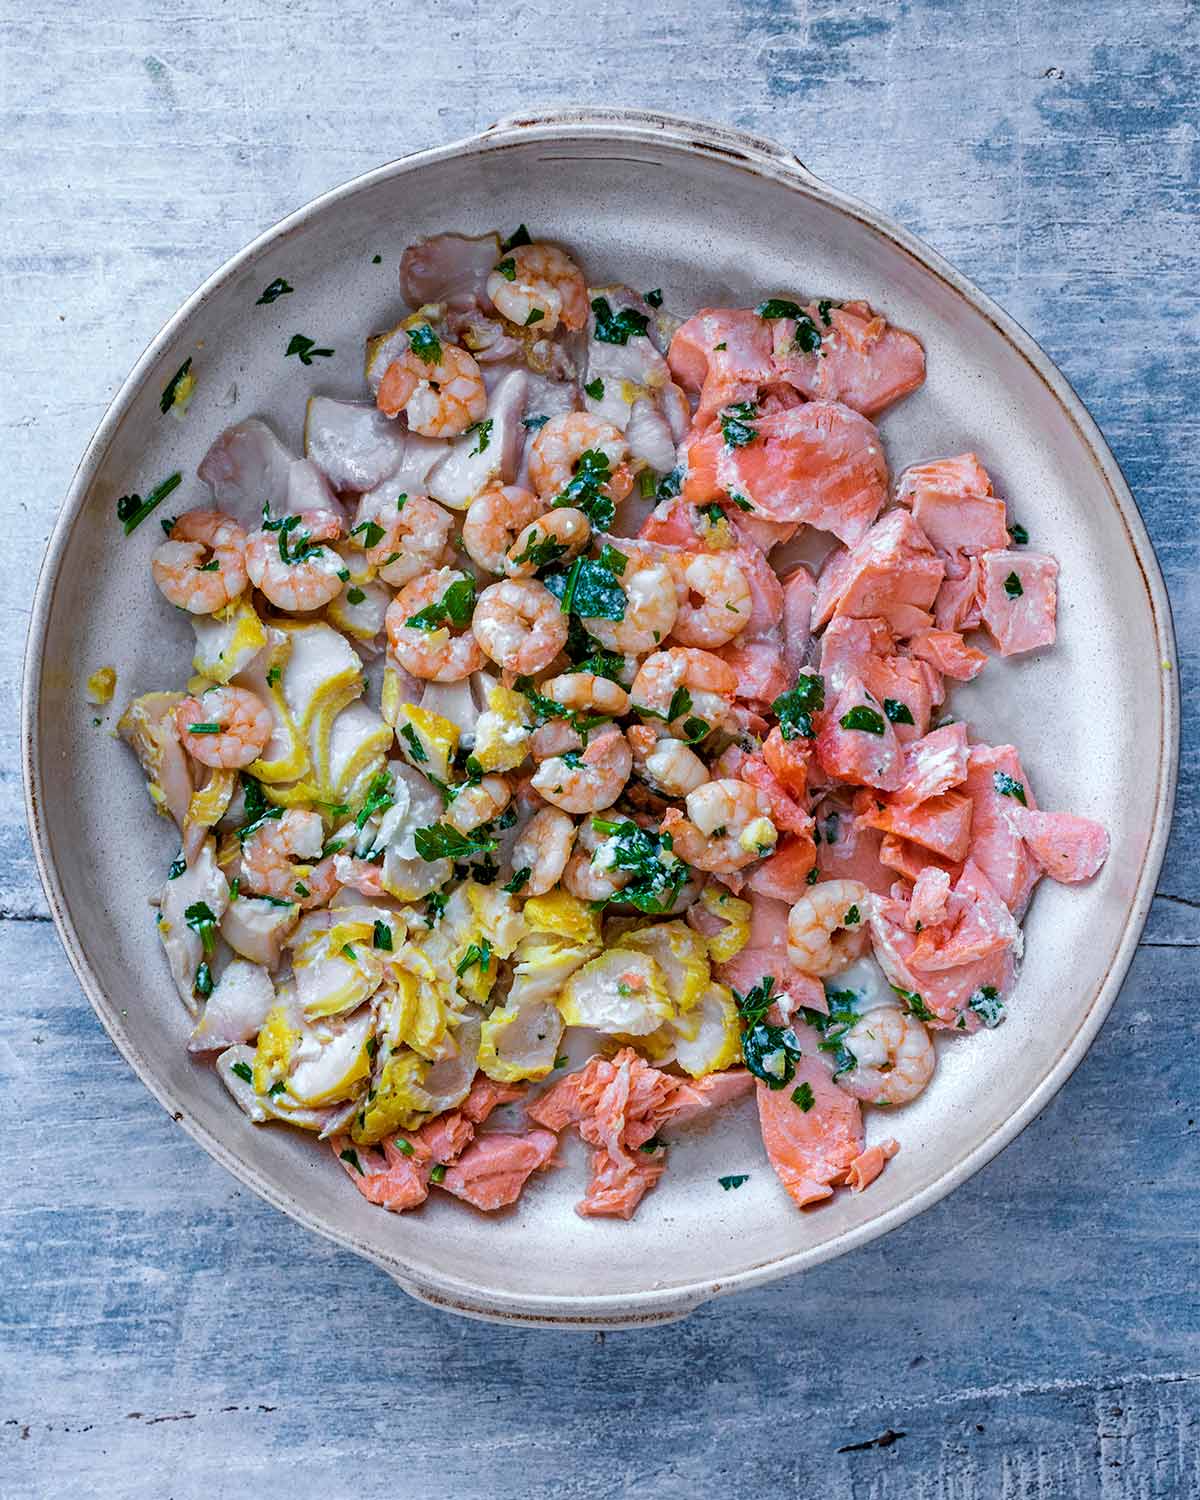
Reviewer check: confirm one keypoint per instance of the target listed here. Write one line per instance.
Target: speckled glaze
(711, 216)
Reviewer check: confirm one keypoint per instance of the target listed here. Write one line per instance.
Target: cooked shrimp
(202, 565)
(727, 826)
(538, 284)
(518, 623)
(282, 859)
(493, 520)
(591, 874)
(557, 536)
(684, 686)
(651, 606)
(587, 693)
(555, 737)
(827, 929)
(666, 764)
(894, 1054)
(543, 848)
(290, 566)
(555, 455)
(478, 804)
(437, 386)
(415, 539)
(228, 727)
(430, 649)
(589, 780)
(725, 602)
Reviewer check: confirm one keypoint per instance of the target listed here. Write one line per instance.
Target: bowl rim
(764, 159)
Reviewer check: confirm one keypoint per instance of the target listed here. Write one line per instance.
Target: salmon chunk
(947, 653)
(934, 764)
(860, 361)
(494, 1168)
(996, 783)
(724, 354)
(955, 477)
(893, 574)
(857, 743)
(820, 463)
(1019, 593)
(815, 1148)
(1067, 848)
(941, 823)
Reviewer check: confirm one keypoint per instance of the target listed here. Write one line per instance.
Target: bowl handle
(585, 1323)
(754, 149)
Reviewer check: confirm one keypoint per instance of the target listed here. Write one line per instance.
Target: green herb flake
(852, 917)
(273, 675)
(167, 400)
(203, 984)
(988, 1006)
(355, 596)
(802, 1096)
(410, 737)
(519, 879)
(372, 534)
(441, 841)
(519, 236)
(771, 1053)
(866, 720)
(734, 1180)
(795, 708)
(378, 799)
(382, 936)
(734, 421)
(647, 484)
(242, 1070)
(454, 607)
(437, 1173)
(1019, 535)
(1012, 586)
(176, 868)
(306, 349)
(477, 953)
(534, 424)
(915, 1004)
(778, 307)
(897, 712)
(205, 728)
(656, 881)
(301, 890)
(588, 589)
(654, 298)
(617, 328)
(1009, 786)
(132, 510)
(535, 316)
(274, 290)
(757, 1001)
(718, 347)
(404, 1147)
(507, 268)
(595, 389)
(351, 1155)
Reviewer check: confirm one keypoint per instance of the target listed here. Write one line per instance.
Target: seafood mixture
(567, 745)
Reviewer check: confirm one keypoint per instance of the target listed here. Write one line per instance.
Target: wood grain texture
(166, 1334)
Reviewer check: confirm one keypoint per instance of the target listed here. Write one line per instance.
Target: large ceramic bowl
(711, 216)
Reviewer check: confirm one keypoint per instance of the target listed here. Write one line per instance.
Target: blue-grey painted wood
(164, 1333)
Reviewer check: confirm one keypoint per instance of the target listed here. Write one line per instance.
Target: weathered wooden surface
(164, 1333)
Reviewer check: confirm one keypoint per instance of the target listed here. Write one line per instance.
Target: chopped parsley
(404, 1147)
(589, 588)
(535, 316)
(734, 1180)
(204, 728)
(484, 440)
(778, 307)
(350, 1155)
(915, 1004)
(296, 550)
(437, 1173)
(435, 906)
(585, 492)
(771, 1053)
(382, 936)
(823, 311)
(647, 484)
(740, 501)
(658, 873)
(1009, 786)
(372, 534)
(167, 400)
(507, 268)
(802, 1096)
(378, 799)
(795, 708)
(534, 424)
(654, 298)
(477, 953)
(409, 735)
(514, 885)
(200, 919)
(306, 349)
(441, 841)
(519, 236)
(132, 510)
(617, 328)
(757, 1001)
(355, 596)
(671, 484)
(897, 712)
(852, 917)
(203, 983)
(274, 290)
(273, 675)
(454, 607)
(301, 890)
(865, 720)
(1012, 586)
(541, 551)
(242, 1070)
(176, 868)
(258, 809)
(987, 1005)
(733, 424)
(807, 337)
(1018, 533)
(595, 389)
(425, 344)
